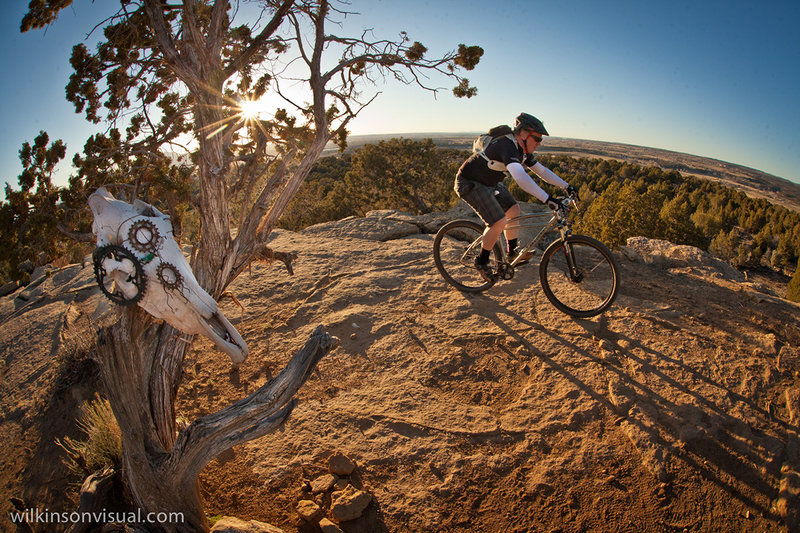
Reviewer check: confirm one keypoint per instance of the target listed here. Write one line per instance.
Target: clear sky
(715, 79)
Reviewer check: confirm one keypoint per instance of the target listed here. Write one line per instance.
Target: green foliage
(622, 211)
(793, 293)
(400, 174)
(101, 445)
(621, 200)
(29, 215)
(322, 197)
(412, 176)
(41, 13)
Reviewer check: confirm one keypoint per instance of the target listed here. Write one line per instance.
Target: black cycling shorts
(491, 203)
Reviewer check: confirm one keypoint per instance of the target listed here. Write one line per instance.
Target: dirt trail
(677, 409)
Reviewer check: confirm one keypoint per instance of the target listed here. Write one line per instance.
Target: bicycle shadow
(677, 416)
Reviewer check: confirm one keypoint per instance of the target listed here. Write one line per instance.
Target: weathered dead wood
(250, 417)
(269, 256)
(140, 362)
(98, 494)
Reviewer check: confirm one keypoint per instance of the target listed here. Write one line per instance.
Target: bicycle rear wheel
(455, 248)
(579, 276)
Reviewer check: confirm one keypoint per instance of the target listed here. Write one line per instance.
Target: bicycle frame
(558, 219)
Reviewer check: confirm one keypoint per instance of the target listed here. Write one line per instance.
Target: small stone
(340, 464)
(328, 527)
(352, 336)
(309, 511)
(323, 483)
(349, 504)
(606, 345)
(608, 480)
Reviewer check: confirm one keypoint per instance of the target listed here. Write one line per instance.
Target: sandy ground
(676, 410)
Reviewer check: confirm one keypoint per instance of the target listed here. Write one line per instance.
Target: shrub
(102, 445)
(793, 293)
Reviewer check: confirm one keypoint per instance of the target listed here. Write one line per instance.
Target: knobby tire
(586, 288)
(449, 249)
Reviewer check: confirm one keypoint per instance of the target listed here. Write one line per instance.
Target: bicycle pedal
(487, 275)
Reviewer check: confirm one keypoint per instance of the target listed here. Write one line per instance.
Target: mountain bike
(579, 275)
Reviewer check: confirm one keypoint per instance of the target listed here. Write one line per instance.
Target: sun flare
(250, 109)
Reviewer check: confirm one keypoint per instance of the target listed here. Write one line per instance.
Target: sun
(250, 109)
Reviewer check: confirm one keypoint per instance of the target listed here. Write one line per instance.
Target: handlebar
(569, 202)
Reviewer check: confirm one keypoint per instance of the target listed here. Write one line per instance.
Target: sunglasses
(537, 138)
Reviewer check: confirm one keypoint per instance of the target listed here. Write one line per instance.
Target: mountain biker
(479, 182)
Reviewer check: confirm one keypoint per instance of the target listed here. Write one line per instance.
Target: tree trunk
(141, 364)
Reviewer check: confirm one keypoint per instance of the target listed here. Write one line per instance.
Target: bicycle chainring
(505, 271)
(144, 236)
(118, 253)
(169, 276)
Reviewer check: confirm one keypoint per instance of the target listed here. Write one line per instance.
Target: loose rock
(323, 483)
(349, 504)
(340, 464)
(328, 527)
(231, 524)
(309, 511)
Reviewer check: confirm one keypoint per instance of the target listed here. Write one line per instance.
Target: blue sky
(716, 79)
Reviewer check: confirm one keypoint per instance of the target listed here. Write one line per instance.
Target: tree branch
(80, 237)
(217, 28)
(191, 30)
(163, 36)
(250, 417)
(260, 40)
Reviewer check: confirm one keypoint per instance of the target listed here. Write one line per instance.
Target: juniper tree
(28, 215)
(172, 78)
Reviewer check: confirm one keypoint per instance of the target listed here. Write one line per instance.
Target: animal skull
(138, 261)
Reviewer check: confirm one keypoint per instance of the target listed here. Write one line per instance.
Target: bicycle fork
(572, 268)
(574, 274)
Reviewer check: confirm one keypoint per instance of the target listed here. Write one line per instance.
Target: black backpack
(480, 144)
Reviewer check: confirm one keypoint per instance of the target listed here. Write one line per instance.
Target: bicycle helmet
(528, 122)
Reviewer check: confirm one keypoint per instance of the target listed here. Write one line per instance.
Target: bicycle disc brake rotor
(119, 273)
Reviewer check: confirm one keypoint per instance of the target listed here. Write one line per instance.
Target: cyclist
(479, 182)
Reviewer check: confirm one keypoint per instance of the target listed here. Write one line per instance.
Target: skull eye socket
(144, 237)
(121, 260)
(169, 276)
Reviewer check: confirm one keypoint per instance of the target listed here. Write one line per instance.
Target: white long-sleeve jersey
(526, 183)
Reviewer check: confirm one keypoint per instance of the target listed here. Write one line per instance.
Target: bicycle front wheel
(455, 248)
(579, 276)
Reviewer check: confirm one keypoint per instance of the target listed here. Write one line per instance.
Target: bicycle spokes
(578, 273)
(456, 247)
(579, 276)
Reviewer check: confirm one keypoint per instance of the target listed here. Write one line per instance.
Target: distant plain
(752, 182)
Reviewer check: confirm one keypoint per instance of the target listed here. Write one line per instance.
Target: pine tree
(793, 292)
